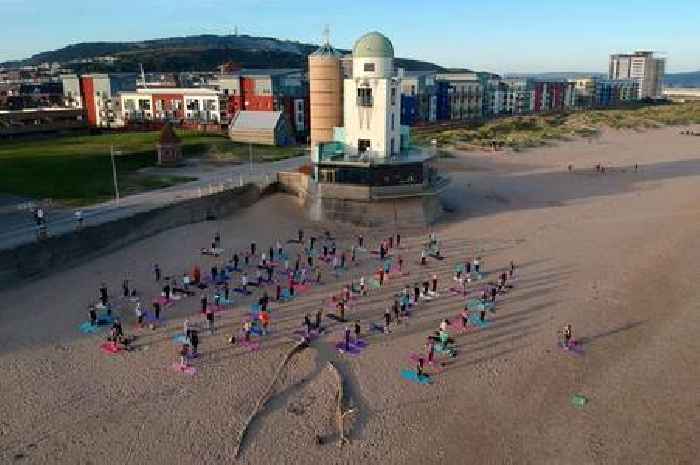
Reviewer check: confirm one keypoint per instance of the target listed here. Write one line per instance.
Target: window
(363, 145)
(369, 67)
(393, 95)
(364, 97)
(392, 142)
(393, 124)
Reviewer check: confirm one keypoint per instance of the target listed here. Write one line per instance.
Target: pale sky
(500, 36)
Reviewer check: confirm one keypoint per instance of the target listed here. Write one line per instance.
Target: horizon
(441, 37)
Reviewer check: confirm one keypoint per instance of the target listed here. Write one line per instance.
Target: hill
(192, 53)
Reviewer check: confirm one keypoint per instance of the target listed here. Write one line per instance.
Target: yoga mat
(105, 320)
(313, 334)
(579, 400)
(257, 331)
(440, 258)
(374, 284)
(335, 317)
(180, 339)
(410, 375)
(575, 348)
(434, 365)
(87, 328)
(110, 348)
(353, 351)
(476, 322)
(376, 327)
(240, 291)
(184, 369)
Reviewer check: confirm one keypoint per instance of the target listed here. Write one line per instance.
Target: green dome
(373, 45)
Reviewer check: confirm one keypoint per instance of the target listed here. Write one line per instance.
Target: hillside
(193, 53)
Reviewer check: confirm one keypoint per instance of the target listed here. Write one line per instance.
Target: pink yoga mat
(184, 369)
(110, 348)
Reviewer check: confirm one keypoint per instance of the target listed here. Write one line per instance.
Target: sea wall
(60, 252)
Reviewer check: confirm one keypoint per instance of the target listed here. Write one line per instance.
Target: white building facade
(372, 99)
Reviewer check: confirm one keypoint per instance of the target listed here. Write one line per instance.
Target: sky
(502, 36)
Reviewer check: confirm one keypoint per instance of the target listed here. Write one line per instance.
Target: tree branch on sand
(262, 401)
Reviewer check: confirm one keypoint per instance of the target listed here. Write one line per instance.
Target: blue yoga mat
(87, 328)
(412, 376)
(474, 320)
(181, 339)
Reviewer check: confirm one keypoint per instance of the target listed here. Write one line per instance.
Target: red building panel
(87, 91)
(168, 104)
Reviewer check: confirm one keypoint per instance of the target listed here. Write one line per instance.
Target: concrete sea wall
(60, 252)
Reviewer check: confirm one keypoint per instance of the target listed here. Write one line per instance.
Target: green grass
(77, 170)
(533, 131)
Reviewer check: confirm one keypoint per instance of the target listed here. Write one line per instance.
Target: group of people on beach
(284, 278)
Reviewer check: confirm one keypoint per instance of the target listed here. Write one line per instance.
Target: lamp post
(112, 153)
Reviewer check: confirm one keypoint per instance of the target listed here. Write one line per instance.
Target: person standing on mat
(416, 293)
(103, 294)
(301, 235)
(236, 259)
(194, 340)
(319, 317)
(477, 264)
(347, 339)
(430, 349)
(204, 303)
(307, 325)
(360, 241)
(422, 257)
(156, 272)
(435, 278)
(156, 310)
(341, 310)
(210, 320)
(253, 246)
(93, 315)
(398, 240)
(567, 334)
(358, 330)
(183, 352)
(125, 287)
(396, 311)
(244, 283)
(419, 368)
(381, 277)
(387, 321)
(363, 290)
(494, 291)
(139, 314)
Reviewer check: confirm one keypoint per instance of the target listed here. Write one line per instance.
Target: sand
(616, 256)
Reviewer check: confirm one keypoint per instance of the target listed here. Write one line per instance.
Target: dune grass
(77, 170)
(523, 132)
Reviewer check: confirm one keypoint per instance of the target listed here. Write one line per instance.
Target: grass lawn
(77, 170)
(521, 132)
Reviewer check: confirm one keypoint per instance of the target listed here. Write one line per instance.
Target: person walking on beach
(347, 339)
(156, 272)
(156, 310)
(244, 283)
(253, 246)
(387, 321)
(357, 330)
(435, 278)
(125, 287)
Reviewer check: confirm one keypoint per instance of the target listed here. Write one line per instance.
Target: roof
(167, 135)
(373, 45)
(269, 72)
(247, 119)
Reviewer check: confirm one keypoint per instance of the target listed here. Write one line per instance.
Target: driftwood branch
(340, 415)
(267, 395)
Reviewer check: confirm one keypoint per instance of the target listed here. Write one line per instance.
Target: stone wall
(67, 250)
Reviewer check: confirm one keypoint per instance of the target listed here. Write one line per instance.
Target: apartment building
(616, 92)
(419, 97)
(554, 96)
(464, 94)
(514, 97)
(643, 67)
(170, 104)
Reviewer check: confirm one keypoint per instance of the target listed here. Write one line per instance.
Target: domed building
(370, 158)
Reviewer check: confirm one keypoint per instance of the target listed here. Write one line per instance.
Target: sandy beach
(615, 255)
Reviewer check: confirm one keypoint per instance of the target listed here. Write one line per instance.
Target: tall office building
(644, 68)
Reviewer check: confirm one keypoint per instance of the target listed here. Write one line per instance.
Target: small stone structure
(169, 147)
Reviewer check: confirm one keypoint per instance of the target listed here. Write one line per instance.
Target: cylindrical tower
(326, 94)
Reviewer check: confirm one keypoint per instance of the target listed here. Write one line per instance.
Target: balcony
(366, 101)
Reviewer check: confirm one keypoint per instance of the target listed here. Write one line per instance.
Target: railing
(64, 221)
(366, 101)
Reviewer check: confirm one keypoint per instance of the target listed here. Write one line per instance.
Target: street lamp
(112, 153)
